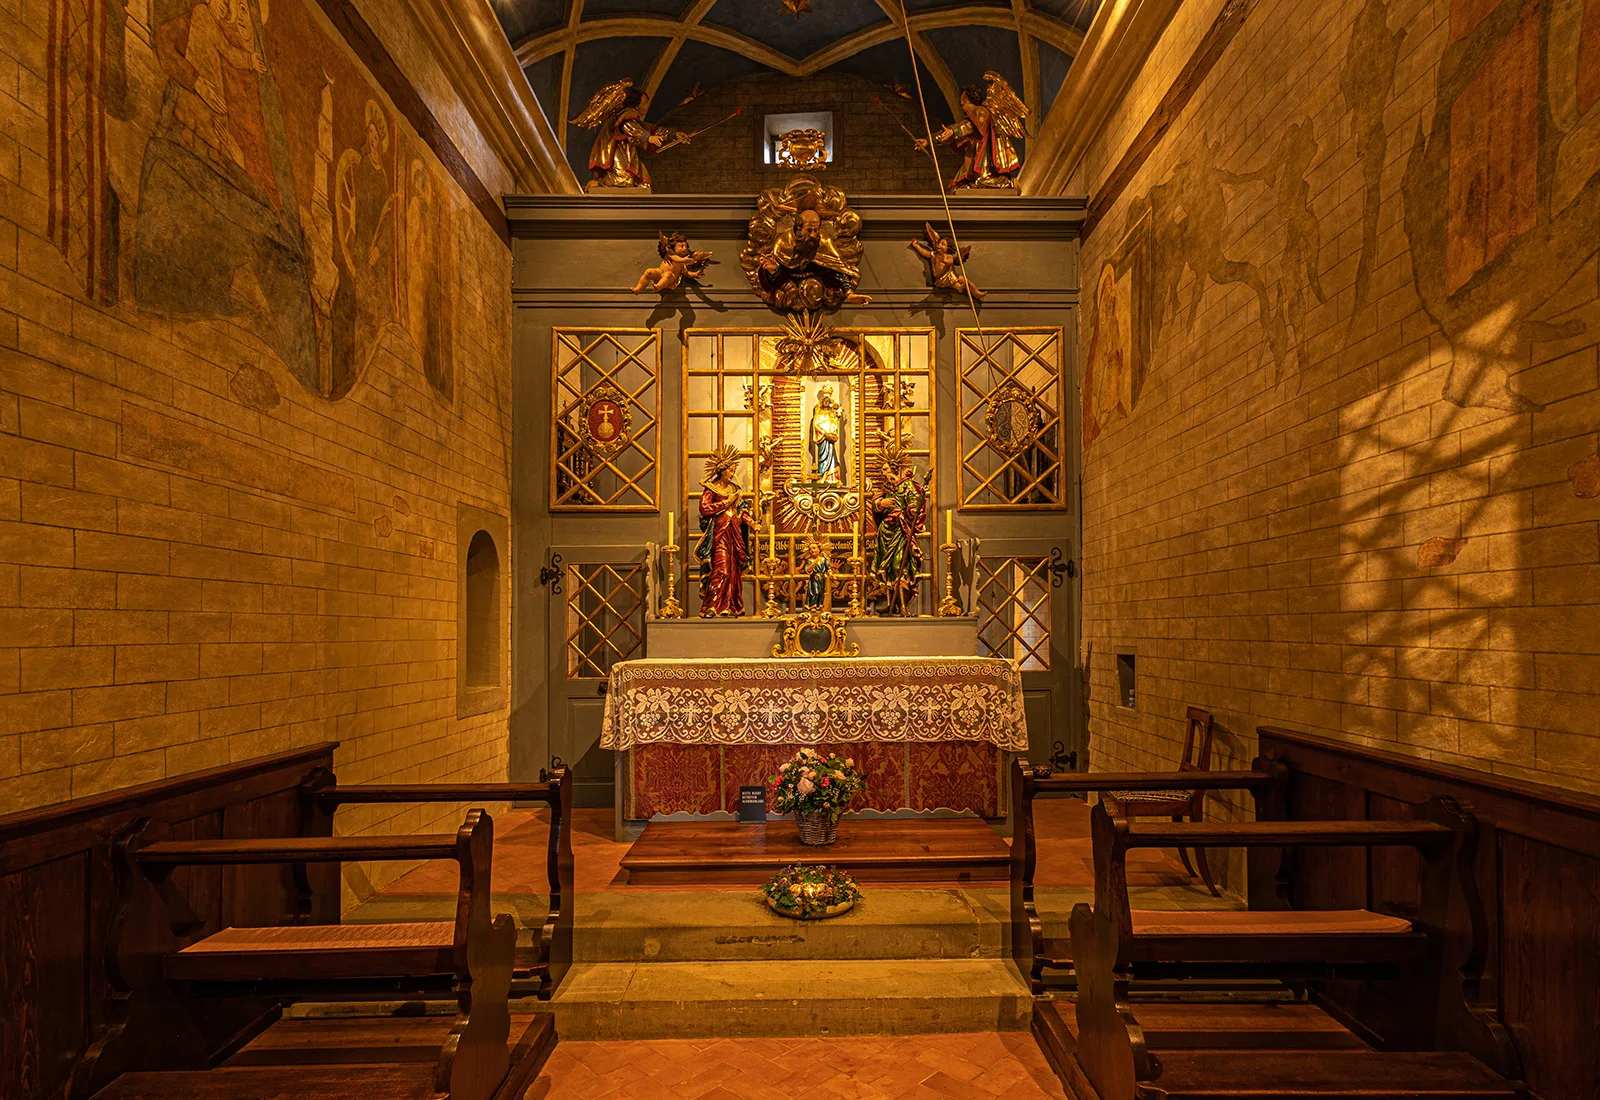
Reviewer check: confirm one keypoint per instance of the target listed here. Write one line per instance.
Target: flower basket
(808, 892)
(817, 790)
(817, 828)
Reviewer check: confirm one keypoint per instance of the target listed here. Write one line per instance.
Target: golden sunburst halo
(797, 8)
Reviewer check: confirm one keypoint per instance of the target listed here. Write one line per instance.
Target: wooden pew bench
(469, 958)
(539, 966)
(1426, 964)
(1034, 951)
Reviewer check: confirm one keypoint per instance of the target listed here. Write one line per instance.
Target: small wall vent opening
(1126, 672)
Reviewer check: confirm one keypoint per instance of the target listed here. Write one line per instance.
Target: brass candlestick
(772, 562)
(855, 610)
(949, 605)
(670, 608)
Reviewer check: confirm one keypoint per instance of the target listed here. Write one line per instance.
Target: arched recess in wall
(482, 625)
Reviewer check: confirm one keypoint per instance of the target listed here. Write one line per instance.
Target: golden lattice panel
(1009, 404)
(606, 419)
(1013, 608)
(605, 616)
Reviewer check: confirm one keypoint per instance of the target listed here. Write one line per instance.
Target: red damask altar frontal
(929, 733)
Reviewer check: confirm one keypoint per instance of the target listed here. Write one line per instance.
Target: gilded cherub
(944, 260)
(678, 262)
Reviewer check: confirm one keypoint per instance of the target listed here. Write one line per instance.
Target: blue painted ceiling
(570, 48)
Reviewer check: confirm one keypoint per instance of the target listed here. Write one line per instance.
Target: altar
(928, 733)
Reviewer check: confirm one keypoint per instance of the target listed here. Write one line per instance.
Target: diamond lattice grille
(605, 617)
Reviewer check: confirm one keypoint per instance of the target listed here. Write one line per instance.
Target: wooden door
(595, 621)
(1024, 595)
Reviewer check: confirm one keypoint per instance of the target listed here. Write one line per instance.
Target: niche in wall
(1127, 669)
(482, 625)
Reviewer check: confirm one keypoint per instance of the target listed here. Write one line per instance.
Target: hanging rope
(944, 196)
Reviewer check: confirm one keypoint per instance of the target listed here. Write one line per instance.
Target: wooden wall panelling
(1538, 870)
(43, 974)
(59, 899)
(1550, 956)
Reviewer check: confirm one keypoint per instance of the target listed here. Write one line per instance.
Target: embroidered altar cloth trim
(809, 701)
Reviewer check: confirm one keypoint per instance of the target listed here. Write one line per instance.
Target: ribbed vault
(569, 48)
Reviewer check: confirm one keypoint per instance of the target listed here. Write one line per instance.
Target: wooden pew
(1033, 951)
(1449, 1047)
(469, 957)
(544, 963)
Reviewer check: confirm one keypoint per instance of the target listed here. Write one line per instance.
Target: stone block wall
(872, 153)
(1338, 353)
(254, 352)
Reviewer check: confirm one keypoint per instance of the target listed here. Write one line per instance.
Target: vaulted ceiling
(570, 48)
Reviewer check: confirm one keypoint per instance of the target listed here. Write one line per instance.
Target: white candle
(855, 540)
(670, 517)
(772, 540)
(949, 525)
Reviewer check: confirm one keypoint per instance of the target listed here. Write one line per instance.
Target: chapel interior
(755, 549)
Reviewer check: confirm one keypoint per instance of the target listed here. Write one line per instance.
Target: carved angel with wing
(678, 262)
(995, 119)
(945, 260)
(622, 136)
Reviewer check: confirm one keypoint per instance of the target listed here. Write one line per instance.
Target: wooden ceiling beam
(538, 47)
(669, 52)
(1068, 39)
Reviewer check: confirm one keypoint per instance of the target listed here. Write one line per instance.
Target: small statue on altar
(994, 120)
(819, 567)
(622, 136)
(802, 252)
(827, 425)
(900, 512)
(945, 260)
(678, 262)
(723, 548)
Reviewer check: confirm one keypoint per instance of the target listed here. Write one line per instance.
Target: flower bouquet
(807, 892)
(818, 791)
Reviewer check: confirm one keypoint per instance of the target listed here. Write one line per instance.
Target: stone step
(738, 926)
(735, 926)
(686, 1000)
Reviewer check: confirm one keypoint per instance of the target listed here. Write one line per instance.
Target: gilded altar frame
(789, 579)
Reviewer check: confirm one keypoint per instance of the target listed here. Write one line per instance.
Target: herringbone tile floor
(916, 1067)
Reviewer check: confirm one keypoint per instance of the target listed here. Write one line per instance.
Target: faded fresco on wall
(1502, 194)
(1369, 416)
(1119, 335)
(231, 161)
(1499, 218)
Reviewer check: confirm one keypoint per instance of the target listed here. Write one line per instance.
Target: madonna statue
(826, 425)
(723, 549)
(901, 514)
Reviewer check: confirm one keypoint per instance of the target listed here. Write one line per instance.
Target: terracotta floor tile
(951, 1063)
(917, 1067)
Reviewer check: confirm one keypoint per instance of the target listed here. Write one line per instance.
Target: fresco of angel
(622, 136)
(995, 120)
(678, 262)
(944, 262)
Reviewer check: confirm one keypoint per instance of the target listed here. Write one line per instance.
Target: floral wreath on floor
(809, 783)
(808, 892)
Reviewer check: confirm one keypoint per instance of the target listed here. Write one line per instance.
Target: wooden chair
(1033, 951)
(469, 958)
(1179, 800)
(544, 963)
(1449, 1044)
